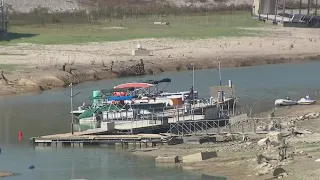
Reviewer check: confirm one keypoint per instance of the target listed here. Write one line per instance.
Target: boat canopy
(114, 98)
(110, 107)
(167, 80)
(120, 98)
(134, 85)
(110, 91)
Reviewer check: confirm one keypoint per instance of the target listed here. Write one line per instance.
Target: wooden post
(300, 4)
(308, 11)
(316, 10)
(242, 128)
(276, 11)
(283, 10)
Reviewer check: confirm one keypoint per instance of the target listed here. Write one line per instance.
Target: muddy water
(47, 113)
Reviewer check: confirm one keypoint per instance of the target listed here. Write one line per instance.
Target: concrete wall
(167, 159)
(199, 156)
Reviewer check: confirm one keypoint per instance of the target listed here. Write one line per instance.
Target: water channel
(48, 113)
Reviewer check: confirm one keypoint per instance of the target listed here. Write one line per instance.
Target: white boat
(285, 102)
(306, 101)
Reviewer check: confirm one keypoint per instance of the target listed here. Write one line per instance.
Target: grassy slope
(215, 25)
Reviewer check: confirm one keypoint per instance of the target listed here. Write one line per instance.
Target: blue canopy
(119, 98)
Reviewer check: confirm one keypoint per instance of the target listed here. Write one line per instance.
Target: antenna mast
(71, 104)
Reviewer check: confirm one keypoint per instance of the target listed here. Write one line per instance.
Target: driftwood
(111, 65)
(2, 77)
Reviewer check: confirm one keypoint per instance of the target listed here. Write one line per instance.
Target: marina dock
(142, 125)
(98, 136)
(142, 132)
(81, 140)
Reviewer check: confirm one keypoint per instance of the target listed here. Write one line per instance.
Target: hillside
(70, 5)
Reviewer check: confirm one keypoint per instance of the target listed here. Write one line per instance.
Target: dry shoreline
(39, 67)
(238, 159)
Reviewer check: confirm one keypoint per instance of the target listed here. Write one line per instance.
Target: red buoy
(20, 135)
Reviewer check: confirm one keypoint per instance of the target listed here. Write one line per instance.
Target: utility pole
(283, 10)
(2, 15)
(219, 68)
(308, 11)
(300, 6)
(221, 91)
(193, 83)
(316, 10)
(71, 104)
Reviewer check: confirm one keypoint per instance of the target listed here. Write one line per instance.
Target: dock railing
(131, 120)
(225, 126)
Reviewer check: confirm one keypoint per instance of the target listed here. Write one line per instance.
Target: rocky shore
(32, 68)
(292, 153)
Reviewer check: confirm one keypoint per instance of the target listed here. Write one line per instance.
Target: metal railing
(223, 126)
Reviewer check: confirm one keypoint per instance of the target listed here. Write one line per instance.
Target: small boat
(306, 101)
(285, 102)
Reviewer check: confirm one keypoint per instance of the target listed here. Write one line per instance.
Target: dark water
(48, 113)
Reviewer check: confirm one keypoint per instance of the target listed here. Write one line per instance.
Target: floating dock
(142, 132)
(81, 140)
(97, 137)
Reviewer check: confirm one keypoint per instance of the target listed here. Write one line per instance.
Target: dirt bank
(30, 67)
(238, 159)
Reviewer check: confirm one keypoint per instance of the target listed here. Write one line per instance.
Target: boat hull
(309, 102)
(284, 102)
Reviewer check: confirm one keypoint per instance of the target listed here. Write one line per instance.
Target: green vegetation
(113, 29)
(8, 67)
(11, 54)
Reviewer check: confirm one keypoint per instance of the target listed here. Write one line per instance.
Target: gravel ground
(54, 5)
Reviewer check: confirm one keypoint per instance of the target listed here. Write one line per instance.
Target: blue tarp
(119, 98)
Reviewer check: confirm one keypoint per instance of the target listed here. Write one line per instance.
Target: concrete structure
(141, 52)
(199, 156)
(167, 159)
(108, 126)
